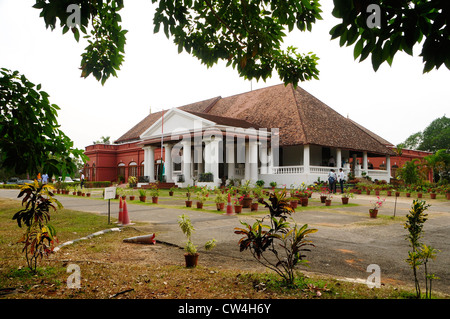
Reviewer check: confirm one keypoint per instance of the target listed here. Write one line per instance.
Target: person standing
(82, 180)
(341, 178)
(332, 181)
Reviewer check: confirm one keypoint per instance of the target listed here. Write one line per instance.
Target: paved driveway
(347, 242)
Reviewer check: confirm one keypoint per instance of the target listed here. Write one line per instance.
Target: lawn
(110, 268)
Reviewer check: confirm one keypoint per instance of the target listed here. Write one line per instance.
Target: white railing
(287, 170)
(321, 169)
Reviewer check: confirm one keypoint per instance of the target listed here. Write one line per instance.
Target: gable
(175, 121)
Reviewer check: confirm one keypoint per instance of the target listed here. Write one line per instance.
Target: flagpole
(162, 132)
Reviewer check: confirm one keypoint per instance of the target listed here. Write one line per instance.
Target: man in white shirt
(341, 178)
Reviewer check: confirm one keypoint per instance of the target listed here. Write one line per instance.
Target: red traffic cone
(119, 220)
(146, 240)
(229, 207)
(125, 219)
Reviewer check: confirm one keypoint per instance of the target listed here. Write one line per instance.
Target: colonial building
(277, 134)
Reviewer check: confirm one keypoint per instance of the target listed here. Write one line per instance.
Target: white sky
(394, 102)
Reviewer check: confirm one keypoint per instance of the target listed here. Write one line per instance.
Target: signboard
(110, 193)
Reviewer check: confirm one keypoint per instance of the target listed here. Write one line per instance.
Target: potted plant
(131, 195)
(191, 255)
(188, 196)
(171, 190)
(88, 194)
(142, 195)
(154, 193)
(245, 191)
(254, 205)
(273, 185)
(237, 206)
(201, 198)
(433, 193)
(293, 202)
(408, 191)
(419, 191)
(447, 192)
(328, 199)
(220, 201)
(132, 180)
(373, 212)
(346, 196)
(304, 195)
(323, 196)
(377, 190)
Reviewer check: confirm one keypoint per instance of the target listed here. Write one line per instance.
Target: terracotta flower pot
(304, 201)
(344, 200)
(254, 206)
(246, 202)
(377, 193)
(199, 205)
(191, 260)
(328, 202)
(88, 194)
(220, 206)
(322, 199)
(397, 194)
(389, 193)
(408, 194)
(368, 192)
(170, 193)
(419, 195)
(155, 200)
(188, 203)
(373, 213)
(294, 203)
(142, 198)
(132, 197)
(448, 196)
(238, 209)
(433, 195)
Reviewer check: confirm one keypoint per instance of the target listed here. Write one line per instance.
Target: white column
(338, 158)
(388, 167)
(264, 158)
(306, 159)
(247, 162)
(269, 161)
(253, 160)
(214, 159)
(365, 165)
(187, 163)
(168, 162)
(230, 159)
(149, 163)
(207, 156)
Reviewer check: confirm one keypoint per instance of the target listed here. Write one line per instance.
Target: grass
(112, 269)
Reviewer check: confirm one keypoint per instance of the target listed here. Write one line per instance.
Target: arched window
(121, 172)
(132, 169)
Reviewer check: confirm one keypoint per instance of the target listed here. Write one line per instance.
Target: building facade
(277, 134)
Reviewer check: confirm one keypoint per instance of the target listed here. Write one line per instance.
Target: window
(132, 169)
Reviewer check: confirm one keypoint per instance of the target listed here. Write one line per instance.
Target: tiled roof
(301, 118)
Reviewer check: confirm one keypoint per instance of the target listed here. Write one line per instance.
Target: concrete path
(347, 241)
